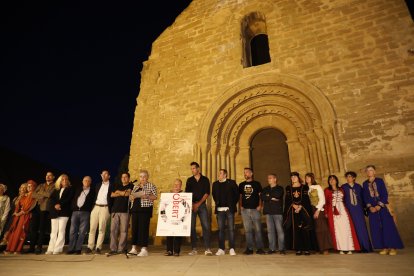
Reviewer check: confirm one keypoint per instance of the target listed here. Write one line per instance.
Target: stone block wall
(354, 51)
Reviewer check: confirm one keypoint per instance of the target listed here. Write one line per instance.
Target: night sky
(70, 76)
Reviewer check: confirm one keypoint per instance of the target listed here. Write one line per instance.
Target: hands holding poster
(174, 214)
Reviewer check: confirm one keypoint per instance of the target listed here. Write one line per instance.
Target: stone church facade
(281, 85)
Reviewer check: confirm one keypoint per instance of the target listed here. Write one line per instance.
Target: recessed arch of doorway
(284, 102)
(269, 155)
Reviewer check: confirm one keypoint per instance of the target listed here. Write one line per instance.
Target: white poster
(174, 214)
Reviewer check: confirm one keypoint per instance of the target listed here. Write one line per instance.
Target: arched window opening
(255, 40)
(259, 47)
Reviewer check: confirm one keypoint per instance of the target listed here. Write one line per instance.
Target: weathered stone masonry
(340, 86)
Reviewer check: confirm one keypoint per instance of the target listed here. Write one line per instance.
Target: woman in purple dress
(384, 233)
(355, 205)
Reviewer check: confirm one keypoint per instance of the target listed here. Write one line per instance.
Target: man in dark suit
(82, 205)
(225, 195)
(100, 213)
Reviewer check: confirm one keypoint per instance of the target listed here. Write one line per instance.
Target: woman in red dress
(16, 235)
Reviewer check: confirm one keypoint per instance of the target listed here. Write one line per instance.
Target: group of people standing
(44, 208)
(334, 218)
(301, 217)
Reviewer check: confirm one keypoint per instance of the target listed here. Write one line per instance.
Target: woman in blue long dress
(384, 233)
(355, 205)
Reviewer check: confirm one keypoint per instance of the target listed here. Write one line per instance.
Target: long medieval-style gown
(355, 205)
(298, 225)
(317, 199)
(19, 227)
(384, 233)
(342, 229)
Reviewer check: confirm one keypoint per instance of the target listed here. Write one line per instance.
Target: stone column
(232, 162)
(243, 160)
(305, 144)
(333, 150)
(204, 158)
(322, 152)
(223, 159)
(214, 164)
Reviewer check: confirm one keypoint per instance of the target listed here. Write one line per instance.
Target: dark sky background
(70, 76)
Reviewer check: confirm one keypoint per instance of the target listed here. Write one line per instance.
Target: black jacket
(89, 201)
(271, 207)
(64, 201)
(231, 191)
(108, 197)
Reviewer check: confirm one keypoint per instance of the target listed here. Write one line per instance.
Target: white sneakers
(193, 252)
(220, 252)
(133, 252)
(143, 253)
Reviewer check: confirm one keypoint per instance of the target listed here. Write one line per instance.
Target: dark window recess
(259, 47)
(410, 6)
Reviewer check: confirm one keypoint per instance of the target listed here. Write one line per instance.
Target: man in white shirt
(100, 213)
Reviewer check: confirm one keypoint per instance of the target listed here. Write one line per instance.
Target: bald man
(82, 205)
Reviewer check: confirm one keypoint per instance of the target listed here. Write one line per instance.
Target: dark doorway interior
(269, 154)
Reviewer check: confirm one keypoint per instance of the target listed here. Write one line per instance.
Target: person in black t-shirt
(225, 195)
(250, 205)
(119, 215)
(272, 197)
(199, 186)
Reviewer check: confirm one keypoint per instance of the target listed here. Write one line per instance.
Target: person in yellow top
(317, 199)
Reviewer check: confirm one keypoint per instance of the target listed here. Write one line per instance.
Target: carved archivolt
(295, 107)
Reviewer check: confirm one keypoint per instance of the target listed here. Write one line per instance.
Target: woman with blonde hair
(59, 211)
(16, 235)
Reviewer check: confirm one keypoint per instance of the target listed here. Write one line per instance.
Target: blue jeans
(275, 225)
(79, 227)
(251, 222)
(205, 225)
(222, 217)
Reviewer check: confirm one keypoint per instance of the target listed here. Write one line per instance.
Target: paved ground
(157, 264)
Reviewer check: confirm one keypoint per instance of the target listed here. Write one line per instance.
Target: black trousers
(39, 226)
(174, 244)
(140, 228)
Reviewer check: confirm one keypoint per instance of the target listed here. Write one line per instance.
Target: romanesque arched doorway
(284, 102)
(269, 154)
